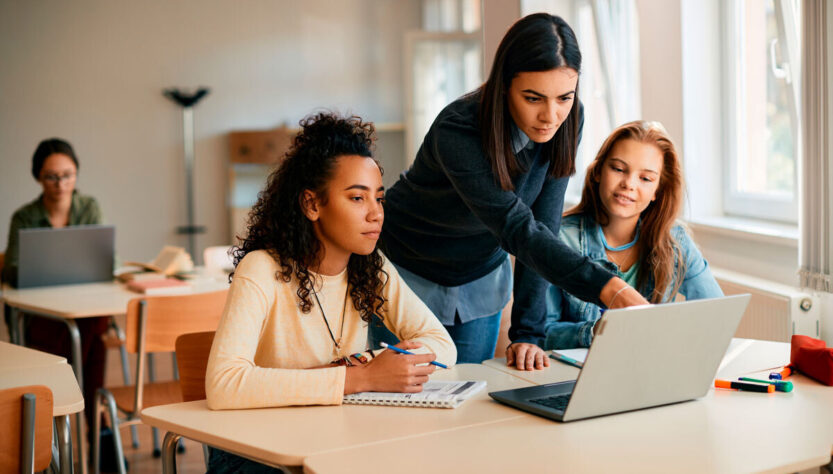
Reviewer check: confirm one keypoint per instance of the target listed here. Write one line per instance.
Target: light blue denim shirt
(477, 299)
(570, 321)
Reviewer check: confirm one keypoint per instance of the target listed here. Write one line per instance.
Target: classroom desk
(286, 436)
(725, 431)
(13, 356)
(66, 303)
(67, 398)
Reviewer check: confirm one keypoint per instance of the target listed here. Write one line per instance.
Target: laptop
(65, 256)
(641, 357)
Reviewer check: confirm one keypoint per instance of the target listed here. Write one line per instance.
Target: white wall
(92, 71)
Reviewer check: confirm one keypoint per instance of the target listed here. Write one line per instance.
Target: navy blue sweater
(448, 220)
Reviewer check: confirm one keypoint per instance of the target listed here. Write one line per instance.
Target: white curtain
(816, 250)
(617, 34)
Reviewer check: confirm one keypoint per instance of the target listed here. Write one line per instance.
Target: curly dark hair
(278, 224)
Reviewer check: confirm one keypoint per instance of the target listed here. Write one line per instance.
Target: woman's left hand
(526, 356)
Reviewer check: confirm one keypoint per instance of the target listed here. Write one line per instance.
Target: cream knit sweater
(265, 345)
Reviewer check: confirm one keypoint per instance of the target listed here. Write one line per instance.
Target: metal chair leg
(125, 372)
(169, 461)
(27, 443)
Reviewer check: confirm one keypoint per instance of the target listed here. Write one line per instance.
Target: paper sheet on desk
(576, 354)
(745, 356)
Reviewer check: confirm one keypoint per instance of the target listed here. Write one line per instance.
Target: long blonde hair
(659, 252)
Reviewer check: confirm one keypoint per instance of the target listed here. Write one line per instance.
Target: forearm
(240, 385)
(568, 334)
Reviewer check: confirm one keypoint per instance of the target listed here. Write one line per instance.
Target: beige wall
(92, 71)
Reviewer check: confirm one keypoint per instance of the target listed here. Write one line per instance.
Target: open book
(435, 394)
(171, 260)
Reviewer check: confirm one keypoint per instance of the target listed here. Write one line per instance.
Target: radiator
(776, 311)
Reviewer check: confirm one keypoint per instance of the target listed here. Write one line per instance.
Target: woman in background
(489, 181)
(627, 222)
(55, 167)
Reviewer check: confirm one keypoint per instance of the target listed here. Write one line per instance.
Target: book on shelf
(165, 286)
(170, 261)
(434, 394)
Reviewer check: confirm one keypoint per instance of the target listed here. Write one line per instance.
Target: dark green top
(84, 210)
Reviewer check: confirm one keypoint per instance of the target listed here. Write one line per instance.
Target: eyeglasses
(56, 179)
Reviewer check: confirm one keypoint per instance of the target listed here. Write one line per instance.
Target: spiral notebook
(435, 394)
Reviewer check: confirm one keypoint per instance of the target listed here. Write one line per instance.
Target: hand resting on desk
(526, 356)
(391, 372)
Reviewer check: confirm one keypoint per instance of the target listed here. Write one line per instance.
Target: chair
(153, 324)
(192, 358)
(26, 430)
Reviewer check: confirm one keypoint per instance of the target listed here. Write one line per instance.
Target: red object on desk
(813, 358)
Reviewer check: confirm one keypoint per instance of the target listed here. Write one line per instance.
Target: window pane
(767, 164)
(592, 86)
(443, 71)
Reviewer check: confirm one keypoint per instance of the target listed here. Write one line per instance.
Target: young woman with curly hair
(308, 278)
(627, 221)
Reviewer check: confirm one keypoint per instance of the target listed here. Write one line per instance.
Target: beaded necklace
(621, 247)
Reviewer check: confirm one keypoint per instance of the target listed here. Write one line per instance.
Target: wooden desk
(66, 303)
(286, 436)
(67, 398)
(726, 431)
(13, 356)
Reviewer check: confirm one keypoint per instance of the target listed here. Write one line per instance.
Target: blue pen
(403, 351)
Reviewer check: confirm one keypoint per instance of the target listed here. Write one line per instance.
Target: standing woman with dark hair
(489, 180)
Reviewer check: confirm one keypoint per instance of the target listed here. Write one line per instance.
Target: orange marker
(749, 387)
(785, 372)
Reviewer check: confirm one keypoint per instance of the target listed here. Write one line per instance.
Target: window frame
(735, 202)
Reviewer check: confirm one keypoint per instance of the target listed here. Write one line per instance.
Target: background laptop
(641, 357)
(74, 254)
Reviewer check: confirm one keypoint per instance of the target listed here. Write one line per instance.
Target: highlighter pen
(785, 372)
(749, 387)
(566, 360)
(780, 385)
(403, 351)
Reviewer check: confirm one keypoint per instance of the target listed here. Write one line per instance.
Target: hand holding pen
(391, 372)
(403, 351)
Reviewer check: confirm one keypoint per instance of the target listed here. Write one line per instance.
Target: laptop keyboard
(558, 402)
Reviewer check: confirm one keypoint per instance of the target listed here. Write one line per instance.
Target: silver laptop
(69, 255)
(641, 357)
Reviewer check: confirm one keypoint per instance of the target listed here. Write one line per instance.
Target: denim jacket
(570, 320)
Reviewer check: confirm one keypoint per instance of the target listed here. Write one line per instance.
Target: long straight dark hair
(537, 42)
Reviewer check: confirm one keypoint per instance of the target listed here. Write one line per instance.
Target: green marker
(780, 385)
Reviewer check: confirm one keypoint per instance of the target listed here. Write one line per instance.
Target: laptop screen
(65, 256)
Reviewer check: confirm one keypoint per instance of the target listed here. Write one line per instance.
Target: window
(443, 62)
(761, 90)
(607, 35)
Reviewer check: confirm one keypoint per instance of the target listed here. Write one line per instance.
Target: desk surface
(67, 398)
(285, 436)
(13, 356)
(84, 300)
(726, 431)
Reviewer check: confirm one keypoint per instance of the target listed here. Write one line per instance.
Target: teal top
(630, 275)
